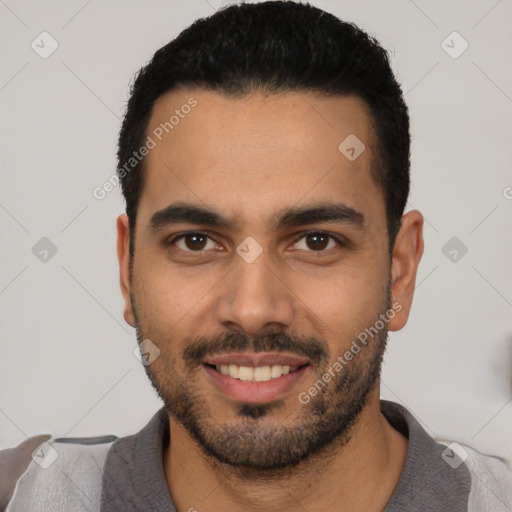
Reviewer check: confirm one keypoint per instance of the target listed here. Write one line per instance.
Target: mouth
(255, 378)
(255, 374)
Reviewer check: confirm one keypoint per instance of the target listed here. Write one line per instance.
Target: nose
(254, 298)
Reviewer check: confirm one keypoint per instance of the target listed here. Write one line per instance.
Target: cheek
(343, 300)
(167, 297)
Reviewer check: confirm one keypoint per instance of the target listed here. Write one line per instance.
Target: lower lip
(254, 392)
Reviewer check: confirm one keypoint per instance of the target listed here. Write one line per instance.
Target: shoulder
(13, 463)
(444, 475)
(491, 477)
(64, 473)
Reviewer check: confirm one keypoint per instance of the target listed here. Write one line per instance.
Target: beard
(257, 444)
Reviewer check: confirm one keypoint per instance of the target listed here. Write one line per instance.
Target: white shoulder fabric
(61, 477)
(491, 482)
(491, 479)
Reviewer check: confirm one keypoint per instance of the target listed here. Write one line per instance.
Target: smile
(255, 377)
(255, 374)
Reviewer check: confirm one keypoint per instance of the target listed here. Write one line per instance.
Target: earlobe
(123, 255)
(406, 257)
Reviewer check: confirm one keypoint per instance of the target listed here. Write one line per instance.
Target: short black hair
(273, 47)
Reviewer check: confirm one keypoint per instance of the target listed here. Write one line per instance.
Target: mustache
(200, 348)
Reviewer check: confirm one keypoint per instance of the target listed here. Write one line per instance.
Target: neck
(360, 474)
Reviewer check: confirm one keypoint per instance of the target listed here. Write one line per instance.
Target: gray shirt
(134, 480)
(108, 474)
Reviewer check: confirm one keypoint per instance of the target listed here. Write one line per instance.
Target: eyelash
(338, 241)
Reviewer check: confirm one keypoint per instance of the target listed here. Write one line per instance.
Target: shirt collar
(134, 479)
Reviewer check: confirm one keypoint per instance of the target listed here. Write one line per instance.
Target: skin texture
(249, 159)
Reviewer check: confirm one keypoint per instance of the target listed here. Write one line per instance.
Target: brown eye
(192, 242)
(195, 242)
(317, 241)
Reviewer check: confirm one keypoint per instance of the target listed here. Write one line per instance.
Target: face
(261, 259)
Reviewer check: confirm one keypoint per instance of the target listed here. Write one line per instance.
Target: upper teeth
(255, 374)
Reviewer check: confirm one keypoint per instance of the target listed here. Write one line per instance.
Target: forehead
(254, 154)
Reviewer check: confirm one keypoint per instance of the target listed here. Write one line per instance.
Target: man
(264, 256)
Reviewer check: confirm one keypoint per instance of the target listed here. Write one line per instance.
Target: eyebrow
(292, 217)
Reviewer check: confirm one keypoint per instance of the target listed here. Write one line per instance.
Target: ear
(407, 253)
(123, 255)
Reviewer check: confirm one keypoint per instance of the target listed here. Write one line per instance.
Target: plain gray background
(66, 362)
